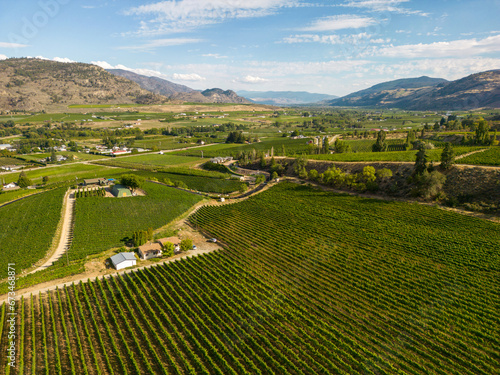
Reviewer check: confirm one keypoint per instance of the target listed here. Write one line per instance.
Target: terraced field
(310, 282)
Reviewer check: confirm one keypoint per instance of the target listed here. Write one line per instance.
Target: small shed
(123, 260)
(121, 191)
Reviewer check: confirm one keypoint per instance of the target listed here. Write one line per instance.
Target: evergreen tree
(23, 181)
(447, 156)
(421, 160)
(380, 145)
(326, 145)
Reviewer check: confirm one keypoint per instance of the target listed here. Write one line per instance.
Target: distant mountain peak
(425, 93)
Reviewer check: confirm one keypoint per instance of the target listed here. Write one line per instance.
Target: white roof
(122, 257)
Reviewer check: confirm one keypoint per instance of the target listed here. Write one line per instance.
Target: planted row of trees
(90, 192)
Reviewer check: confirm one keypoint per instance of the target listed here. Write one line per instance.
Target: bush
(168, 249)
(186, 244)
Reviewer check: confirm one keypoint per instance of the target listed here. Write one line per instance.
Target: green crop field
(68, 172)
(10, 195)
(405, 156)
(488, 157)
(309, 283)
(292, 147)
(28, 227)
(156, 159)
(11, 161)
(102, 223)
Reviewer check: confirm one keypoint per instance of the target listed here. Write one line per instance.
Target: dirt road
(66, 234)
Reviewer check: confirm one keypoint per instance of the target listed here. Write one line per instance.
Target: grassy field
(102, 223)
(27, 229)
(299, 289)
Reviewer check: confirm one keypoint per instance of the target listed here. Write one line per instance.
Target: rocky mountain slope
(35, 85)
(153, 84)
(178, 92)
(424, 93)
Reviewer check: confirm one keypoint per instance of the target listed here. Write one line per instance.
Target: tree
(482, 136)
(45, 180)
(53, 157)
(168, 249)
(429, 185)
(341, 147)
(326, 145)
(132, 181)
(380, 145)
(421, 160)
(23, 181)
(274, 175)
(299, 167)
(368, 173)
(186, 244)
(260, 178)
(447, 156)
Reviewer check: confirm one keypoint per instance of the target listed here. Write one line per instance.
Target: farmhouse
(11, 186)
(123, 260)
(121, 191)
(150, 250)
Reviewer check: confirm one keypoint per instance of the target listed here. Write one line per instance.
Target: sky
(330, 47)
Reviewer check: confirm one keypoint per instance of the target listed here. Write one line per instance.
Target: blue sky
(331, 47)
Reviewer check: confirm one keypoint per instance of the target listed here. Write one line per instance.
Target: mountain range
(175, 91)
(280, 98)
(474, 91)
(35, 85)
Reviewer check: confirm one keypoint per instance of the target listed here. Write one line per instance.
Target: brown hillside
(35, 85)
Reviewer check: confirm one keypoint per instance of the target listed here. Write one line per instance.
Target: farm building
(121, 191)
(150, 250)
(123, 260)
(11, 186)
(95, 181)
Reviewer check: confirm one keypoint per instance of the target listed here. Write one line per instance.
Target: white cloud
(188, 77)
(383, 6)
(12, 45)
(215, 56)
(251, 79)
(354, 39)
(177, 16)
(103, 64)
(3, 57)
(160, 43)
(344, 21)
(458, 48)
(63, 60)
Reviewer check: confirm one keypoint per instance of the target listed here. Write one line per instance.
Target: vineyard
(406, 156)
(310, 282)
(291, 146)
(488, 157)
(102, 223)
(28, 226)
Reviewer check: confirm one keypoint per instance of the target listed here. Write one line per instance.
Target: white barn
(123, 260)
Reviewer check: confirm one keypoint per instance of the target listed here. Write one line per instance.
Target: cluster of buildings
(115, 151)
(147, 251)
